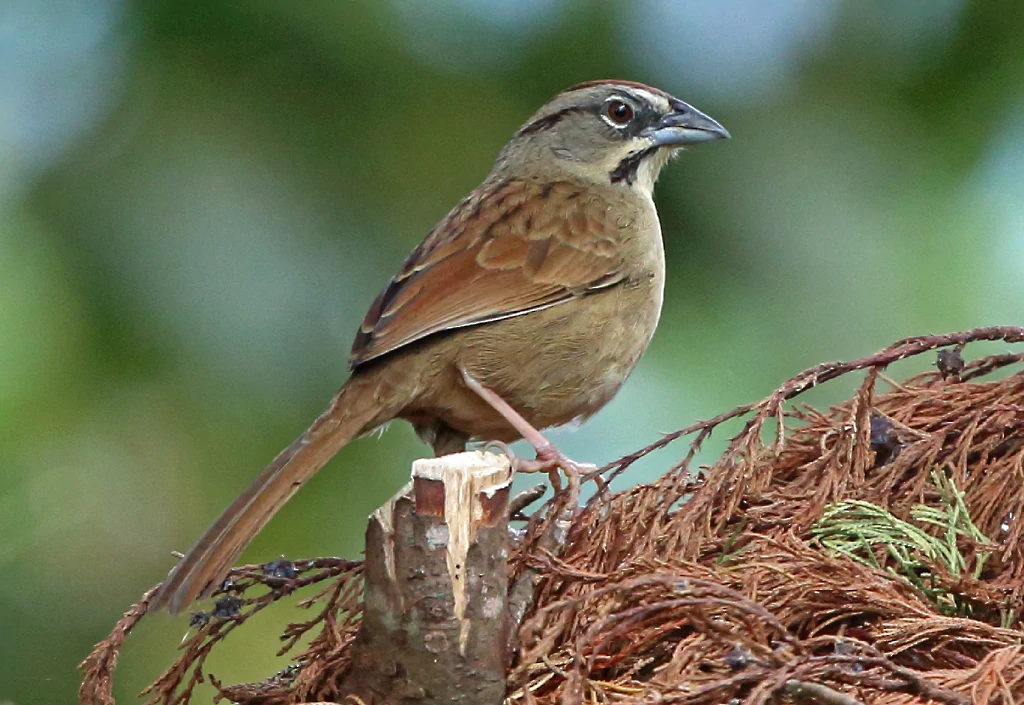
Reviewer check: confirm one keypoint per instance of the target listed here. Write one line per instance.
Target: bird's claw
(549, 460)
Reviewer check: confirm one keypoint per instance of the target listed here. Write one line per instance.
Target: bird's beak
(686, 125)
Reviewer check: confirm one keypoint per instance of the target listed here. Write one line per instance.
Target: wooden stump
(436, 620)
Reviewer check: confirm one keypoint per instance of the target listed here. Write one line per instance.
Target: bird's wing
(511, 247)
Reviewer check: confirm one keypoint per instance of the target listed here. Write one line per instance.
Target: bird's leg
(549, 458)
(444, 439)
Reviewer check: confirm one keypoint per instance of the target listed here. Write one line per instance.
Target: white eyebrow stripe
(656, 101)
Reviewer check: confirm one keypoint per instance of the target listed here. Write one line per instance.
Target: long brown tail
(358, 408)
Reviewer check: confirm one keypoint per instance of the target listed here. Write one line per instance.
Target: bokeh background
(199, 200)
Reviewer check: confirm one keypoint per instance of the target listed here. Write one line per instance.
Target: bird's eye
(618, 112)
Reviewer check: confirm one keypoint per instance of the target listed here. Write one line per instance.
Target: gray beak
(686, 125)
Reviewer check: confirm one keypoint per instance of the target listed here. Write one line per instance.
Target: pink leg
(548, 457)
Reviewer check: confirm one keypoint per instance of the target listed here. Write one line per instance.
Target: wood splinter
(436, 620)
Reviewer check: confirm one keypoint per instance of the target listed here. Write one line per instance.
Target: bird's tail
(360, 406)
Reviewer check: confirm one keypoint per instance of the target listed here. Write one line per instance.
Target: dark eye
(618, 112)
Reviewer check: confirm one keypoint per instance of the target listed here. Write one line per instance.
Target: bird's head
(608, 132)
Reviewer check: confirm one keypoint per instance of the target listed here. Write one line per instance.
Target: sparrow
(526, 307)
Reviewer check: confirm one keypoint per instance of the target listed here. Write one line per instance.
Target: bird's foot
(549, 459)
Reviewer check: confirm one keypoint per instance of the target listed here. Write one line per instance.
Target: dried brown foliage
(715, 587)
(314, 670)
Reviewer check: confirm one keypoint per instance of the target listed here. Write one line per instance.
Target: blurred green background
(199, 200)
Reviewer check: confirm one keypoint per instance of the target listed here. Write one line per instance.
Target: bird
(525, 308)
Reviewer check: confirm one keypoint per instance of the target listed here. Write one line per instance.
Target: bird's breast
(565, 362)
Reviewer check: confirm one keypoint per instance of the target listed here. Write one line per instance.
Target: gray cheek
(564, 153)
